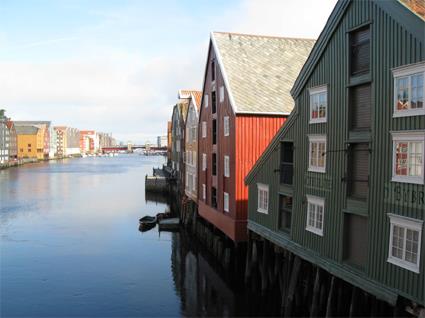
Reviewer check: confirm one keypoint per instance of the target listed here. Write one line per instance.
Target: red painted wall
(253, 134)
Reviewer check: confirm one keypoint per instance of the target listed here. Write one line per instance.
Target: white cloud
(130, 92)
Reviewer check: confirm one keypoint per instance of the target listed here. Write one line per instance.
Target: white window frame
(408, 136)
(262, 205)
(226, 125)
(408, 71)
(317, 139)
(206, 100)
(316, 91)
(204, 191)
(226, 202)
(204, 129)
(317, 201)
(406, 223)
(227, 166)
(204, 161)
(221, 91)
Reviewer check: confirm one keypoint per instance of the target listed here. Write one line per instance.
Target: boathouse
(342, 184)
(245, 101)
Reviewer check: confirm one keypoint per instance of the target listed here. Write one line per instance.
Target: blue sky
(116, 66)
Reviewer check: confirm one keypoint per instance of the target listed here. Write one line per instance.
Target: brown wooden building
(246, 100)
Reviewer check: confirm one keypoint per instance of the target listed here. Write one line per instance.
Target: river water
(70, 246)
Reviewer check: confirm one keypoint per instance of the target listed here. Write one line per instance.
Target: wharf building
(341, 185)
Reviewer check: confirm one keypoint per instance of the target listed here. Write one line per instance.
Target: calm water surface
(70, 246)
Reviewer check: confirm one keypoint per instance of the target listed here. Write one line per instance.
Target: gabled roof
(196, 98)
(272, 145)
(26, 129)
(259, 71)
(409, 18)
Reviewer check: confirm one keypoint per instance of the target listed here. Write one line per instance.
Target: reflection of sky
(70, 243)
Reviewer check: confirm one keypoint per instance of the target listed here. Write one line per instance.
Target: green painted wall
(392, 45)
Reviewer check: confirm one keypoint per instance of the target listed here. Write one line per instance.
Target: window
(409, 90)
(360, 51)
(226, 126)
(214, 164)
(178, 166)
(405, 242)
(194, 183)
(204, 192)
(204, 129)
(214, 131)
(214, 102)
(213, 70)
(315, 213)
(204, 162)
(360, 107)
(285, 212)
(178, 145)
(206, 100)
(263, 198)
(408, 157)
(29, 145)
(221, 92)
(286, 162)
(226, 202)
(317, 153)
(226, 166)
(318, 104)
(214, 198)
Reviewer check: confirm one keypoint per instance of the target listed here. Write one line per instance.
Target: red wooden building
(246, 100)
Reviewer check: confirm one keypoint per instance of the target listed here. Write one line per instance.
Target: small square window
(204, 129)
(317, 153)
(405, 242)
(409, 90)
(315, 214)
(318, 104)
(408, 157)
(226, 126)
(227, 166)
(263, 198)
(226, 202)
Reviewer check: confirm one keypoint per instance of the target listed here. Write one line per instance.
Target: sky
(116, 65)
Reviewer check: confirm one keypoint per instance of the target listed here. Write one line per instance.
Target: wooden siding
(253, 134)
(392, 45)
(249, 136)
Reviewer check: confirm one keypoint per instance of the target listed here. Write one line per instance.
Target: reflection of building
(43, 137)
(169, 141)
(67, 141)
(202, 289)
(161, 141)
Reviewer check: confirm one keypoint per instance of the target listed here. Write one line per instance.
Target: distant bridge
(132, 147)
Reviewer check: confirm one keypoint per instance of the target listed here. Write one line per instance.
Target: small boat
(148, 220)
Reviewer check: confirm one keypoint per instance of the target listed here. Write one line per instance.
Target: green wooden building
(342, 183)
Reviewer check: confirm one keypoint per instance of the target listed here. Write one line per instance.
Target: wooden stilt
(293, 285)
(354, 302)
(331, 296)
(316, 293)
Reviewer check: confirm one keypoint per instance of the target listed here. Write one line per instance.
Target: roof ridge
(265, 36)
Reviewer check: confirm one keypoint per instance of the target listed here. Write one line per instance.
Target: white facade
(191, 147)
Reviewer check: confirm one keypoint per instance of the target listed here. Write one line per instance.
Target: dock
(169, 224)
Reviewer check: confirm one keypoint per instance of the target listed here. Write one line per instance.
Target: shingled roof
(259, 71)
